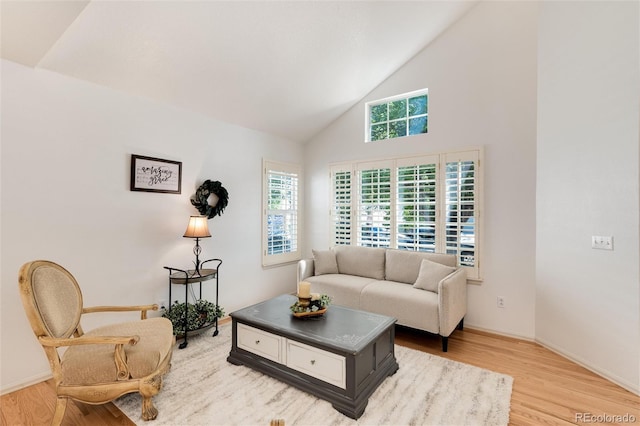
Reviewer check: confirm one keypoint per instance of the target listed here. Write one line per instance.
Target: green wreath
(202, 195)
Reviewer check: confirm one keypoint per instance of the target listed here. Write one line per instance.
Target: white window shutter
(281, 218)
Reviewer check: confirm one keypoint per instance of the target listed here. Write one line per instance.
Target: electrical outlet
(500, 302)
(602, 242)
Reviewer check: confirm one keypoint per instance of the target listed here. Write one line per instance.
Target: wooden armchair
(102, 364)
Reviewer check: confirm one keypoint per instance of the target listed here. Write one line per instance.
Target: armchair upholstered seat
(104, 363)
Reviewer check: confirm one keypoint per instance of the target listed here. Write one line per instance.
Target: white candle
(304, 289)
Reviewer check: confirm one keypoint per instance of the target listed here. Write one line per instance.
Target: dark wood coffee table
(342, 356)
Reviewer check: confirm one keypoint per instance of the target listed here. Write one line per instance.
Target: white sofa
(425, 291)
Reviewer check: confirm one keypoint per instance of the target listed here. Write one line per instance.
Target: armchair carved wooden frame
(102, 364)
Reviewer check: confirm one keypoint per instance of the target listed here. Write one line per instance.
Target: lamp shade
(197, 227)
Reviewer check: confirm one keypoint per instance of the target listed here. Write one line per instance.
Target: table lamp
(197, 228)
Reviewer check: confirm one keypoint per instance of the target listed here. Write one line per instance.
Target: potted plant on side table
(201, 316)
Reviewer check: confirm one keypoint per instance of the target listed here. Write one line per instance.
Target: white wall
(588, 300)
(66, 147)
(481, 76)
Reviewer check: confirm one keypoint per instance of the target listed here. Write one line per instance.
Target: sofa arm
(452, 301)
(305, 269)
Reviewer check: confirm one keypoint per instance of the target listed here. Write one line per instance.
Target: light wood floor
(548, 389)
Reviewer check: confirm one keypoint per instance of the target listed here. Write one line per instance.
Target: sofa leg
(445, 343)
(460, 324)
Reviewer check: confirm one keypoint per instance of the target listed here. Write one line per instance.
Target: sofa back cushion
(325, 262)
(361, 261)
(403, 266)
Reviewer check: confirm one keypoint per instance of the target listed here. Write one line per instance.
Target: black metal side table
(189, 277)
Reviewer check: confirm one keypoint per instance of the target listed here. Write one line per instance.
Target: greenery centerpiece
(317, 303)
(200, 315)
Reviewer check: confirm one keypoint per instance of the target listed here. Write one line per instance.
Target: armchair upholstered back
(56, 305)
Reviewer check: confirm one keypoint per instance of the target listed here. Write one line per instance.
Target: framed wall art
(155, 175)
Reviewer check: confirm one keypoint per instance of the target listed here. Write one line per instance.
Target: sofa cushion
(344, 289)
(411, 307)
(361, 261)
(403, 266)
(431, 273)
(325, 262)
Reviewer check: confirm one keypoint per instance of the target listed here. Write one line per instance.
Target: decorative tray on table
(309, 307)
(310, 314)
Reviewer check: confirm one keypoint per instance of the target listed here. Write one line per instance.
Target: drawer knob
(257, 342)
(313, 362)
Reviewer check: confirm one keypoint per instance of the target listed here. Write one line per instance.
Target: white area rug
(202, 388)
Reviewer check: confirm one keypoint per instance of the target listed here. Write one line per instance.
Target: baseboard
(631, 387)
(12, 387)
(498, 333)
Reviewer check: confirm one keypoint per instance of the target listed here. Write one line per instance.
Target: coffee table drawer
(260, 342)
(323, 365)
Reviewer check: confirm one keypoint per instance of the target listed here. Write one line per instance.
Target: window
(374, 206)
(460, 207)
(416, 203)
(398, 116)
(281, 213)
(425, 203)
(341, 206)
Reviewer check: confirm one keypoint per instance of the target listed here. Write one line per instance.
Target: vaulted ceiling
(288, 68)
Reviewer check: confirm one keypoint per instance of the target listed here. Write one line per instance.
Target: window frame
(404, 96)
(441, 159)
(273, 259)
